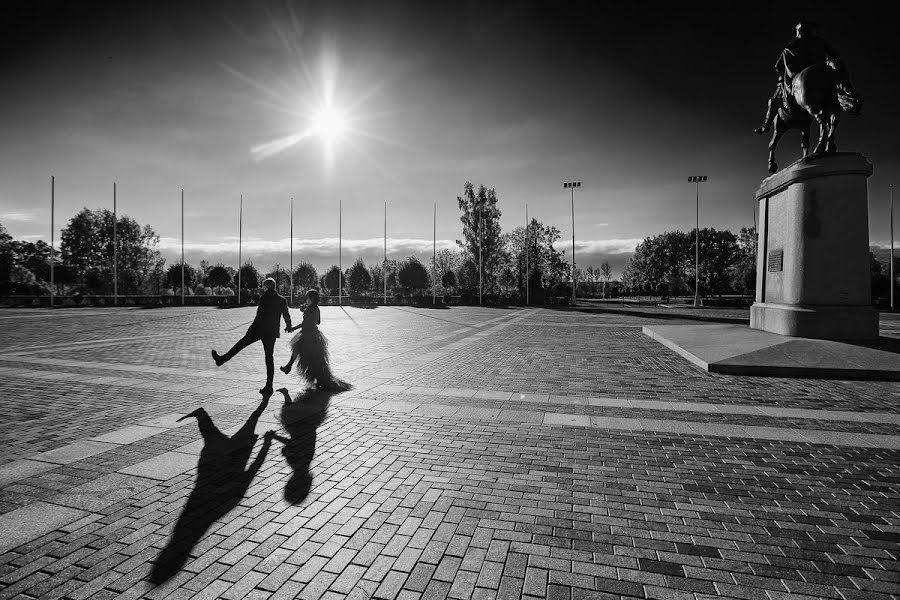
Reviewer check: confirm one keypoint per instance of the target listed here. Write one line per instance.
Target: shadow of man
(222, 481)
(301, 418)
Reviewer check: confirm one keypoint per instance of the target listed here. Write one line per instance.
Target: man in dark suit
(264, 328)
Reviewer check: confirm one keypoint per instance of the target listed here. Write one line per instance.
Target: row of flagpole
(291, 272)
(240, 241)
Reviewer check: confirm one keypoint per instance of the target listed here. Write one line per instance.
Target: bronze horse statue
(813, 95)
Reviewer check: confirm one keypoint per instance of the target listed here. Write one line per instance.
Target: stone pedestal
(812, 266)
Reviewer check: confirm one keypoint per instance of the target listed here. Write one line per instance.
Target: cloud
(17, 217)
(324, 246)
(614, 246)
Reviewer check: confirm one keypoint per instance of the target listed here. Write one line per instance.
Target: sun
(329, 124)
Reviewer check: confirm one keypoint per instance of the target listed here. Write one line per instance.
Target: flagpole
(182, 246)
(527, 273)
(892, 248)
(240, 238)
(340, 264)
(384, 264)
(291, 274)
(434, 259)
(52, 213)
(115, 252)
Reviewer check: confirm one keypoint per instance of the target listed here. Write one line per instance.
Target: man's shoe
(266, 391)
(764, 128)
(217, 358)
(285, 369)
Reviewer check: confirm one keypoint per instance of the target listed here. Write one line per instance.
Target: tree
(6, 254)
(449, 280)
(377, 275)
(413, 276)
(879, 278)
(305, 276)
(249, 276)
(481, 230)
(219, 276)
(591, 275)
(282, 283)
(203, 271)
(331, 279)
(467, 276)
(606, 274)
(87, 246)
(359, 281)
(744, 272)
(174, 276)
(719, 253)
(446, 261)
(533, 248)
(34, 256)
(660, 263)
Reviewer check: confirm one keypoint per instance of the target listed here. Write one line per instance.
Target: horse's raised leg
(833, 120)
(773, 143)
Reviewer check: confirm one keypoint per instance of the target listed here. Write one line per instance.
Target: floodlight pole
(572, 185)
(527, 249)
(698, 179)
(892, 248)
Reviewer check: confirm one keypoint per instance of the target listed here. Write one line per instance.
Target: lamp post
(572, 185)
(340, 264)
(698, 179)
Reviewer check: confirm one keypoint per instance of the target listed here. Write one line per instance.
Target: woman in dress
(310, 349)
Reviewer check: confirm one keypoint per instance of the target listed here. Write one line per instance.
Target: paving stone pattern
(440, 475)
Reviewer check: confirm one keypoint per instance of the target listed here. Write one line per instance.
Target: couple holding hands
(309, 348)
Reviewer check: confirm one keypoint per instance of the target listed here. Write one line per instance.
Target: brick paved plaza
(483, 453)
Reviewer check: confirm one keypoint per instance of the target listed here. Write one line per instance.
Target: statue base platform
(812, 266)
(741, 350)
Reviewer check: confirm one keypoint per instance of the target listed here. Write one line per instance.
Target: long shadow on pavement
(301, 418)
(222, 481)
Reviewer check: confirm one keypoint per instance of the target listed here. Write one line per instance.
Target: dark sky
(628, 98)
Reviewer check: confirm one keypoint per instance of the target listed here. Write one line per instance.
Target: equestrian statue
(813, 83)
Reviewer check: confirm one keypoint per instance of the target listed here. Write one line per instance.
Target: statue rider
(804, 50)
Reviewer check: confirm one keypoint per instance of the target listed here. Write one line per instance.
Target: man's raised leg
(240, 345)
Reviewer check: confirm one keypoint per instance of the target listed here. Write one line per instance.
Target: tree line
(487, 261)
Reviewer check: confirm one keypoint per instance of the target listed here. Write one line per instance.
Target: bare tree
(606, 273)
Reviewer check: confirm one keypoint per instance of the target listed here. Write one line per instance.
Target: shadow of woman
(222, 481)
(301, 418)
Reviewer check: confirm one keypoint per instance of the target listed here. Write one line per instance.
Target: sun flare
(329, 124)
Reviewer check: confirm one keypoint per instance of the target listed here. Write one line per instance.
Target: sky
(222, 99)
